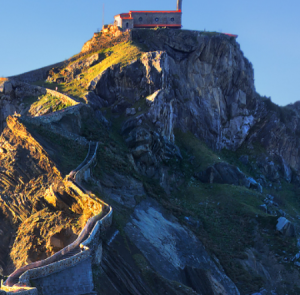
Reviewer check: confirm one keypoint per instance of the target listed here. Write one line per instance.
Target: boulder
(94, 100)
(121, 107)
(244, 159)
(225, 173)
(8, 87)
(130, 111)
(254, 184)
(285, 227)
(203, 282)
(269, 168)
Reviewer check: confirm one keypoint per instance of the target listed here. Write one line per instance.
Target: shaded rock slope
(196, 164)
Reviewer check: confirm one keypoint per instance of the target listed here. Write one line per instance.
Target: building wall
(156, 18)
(118, 21)
(130, 23)
(75, 280)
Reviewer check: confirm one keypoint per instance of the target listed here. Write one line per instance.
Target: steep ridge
(198, 166)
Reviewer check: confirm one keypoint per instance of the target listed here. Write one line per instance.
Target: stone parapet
(83, 172)
(63, 97)
(53, 267)
(31, 291)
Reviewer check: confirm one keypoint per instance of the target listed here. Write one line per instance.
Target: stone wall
(53, 117)
(144, 19)
(64, 98)
(127, 24)
(80, 277)
(85, 171)
(36, 75)
(41, 272)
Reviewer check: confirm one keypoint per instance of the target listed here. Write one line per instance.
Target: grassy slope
(46, 104)
(228, 216)
(61, 150)
(122, 53)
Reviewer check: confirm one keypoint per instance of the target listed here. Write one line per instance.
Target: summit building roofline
(150, 19)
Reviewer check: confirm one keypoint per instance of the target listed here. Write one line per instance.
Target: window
(172, 19)
(140, 19)
(157, 19)
(127, 25)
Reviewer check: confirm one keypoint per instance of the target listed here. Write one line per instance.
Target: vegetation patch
(195, 150)
(228, 218)
(46, 104)
(122, 54)
(64, 152)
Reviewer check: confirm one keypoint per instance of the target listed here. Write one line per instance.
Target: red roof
(231, 35)
(157, 11)
(124, 15)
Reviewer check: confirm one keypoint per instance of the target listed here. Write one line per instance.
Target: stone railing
(36, 75)
(86, 245)
(83, 171)
(63, 97)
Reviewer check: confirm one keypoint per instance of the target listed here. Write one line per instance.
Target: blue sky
(36, 33)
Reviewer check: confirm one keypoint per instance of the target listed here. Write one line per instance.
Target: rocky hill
(201, 171)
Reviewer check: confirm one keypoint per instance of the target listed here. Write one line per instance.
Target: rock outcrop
(108, 34)
(194, 82)
(163, 241)
(11, 98)
(285, 227)
(200, 83)
(224, 173)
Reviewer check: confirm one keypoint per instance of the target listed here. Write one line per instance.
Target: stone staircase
(79, 251)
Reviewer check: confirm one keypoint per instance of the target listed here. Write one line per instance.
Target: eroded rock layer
(43, 213)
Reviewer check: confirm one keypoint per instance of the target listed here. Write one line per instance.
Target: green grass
(64, 152)
(190, 146)
(48, 103)
(29, 100)
(229, 217)
(122, 53)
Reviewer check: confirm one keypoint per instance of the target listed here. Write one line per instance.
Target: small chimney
(179, 4)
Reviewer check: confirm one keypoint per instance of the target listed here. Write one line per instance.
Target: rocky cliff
(197, 166)
(200, 83)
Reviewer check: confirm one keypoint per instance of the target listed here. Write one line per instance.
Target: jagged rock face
(140, 79)
(163, 241)
(204, 85)
(11, 98)
(107, 35)
(73, 70)
(193, 82)
(278, 132)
